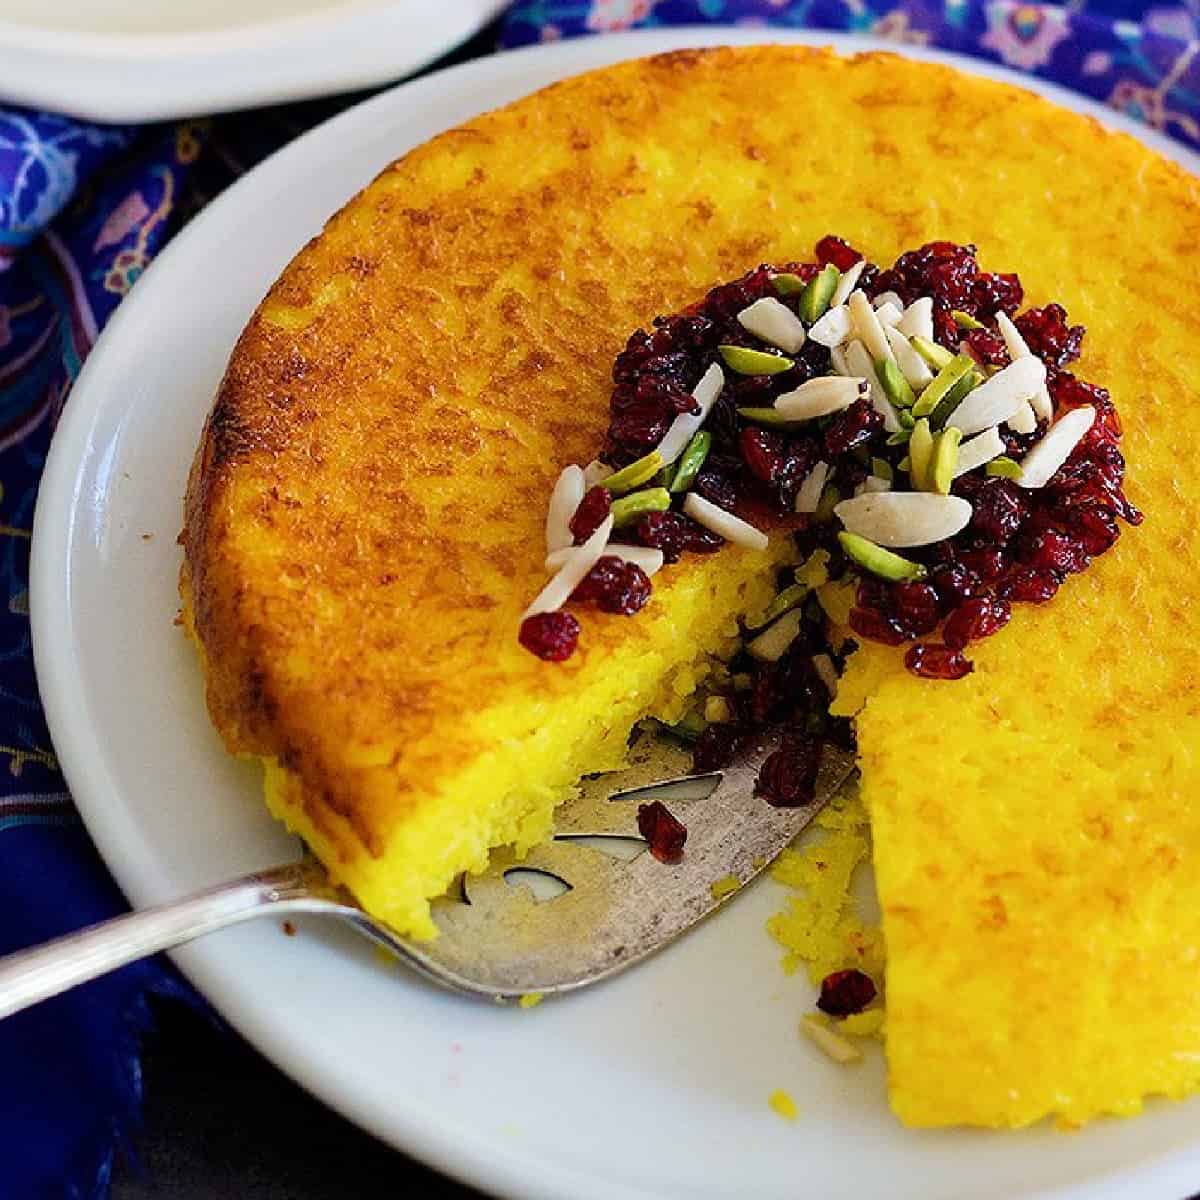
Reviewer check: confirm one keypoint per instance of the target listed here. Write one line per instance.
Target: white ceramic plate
(143, 60)
(653, 1085)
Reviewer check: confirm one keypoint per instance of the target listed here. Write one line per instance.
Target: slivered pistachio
(1005, 467)
(789, 598)
(936, 356)
(629, 508)
(663, 478)
(745, 361)
(766, 416)
(901, 438)
(953, 398)
(634, 475)
(905, 464)
(814, 300)
(691, 460)
(906, 419)
(945, 459)
(897, 389)
(920, 453)
(943, 381)
(966, 321)
(830, 498)
(877, 560)
(787, 284)
(881, 468)
(690, 726)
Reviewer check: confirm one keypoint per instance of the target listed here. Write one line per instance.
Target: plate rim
(135, 77)
(478, 1159)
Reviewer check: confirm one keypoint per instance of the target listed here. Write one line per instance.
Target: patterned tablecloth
(83, 209)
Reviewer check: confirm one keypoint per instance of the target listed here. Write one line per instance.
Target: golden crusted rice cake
(365, 524)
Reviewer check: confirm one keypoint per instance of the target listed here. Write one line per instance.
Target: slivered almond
(872, 483)
(904, 518)
(917, 320)
(1024, 420)
(732, 529)
(582, 559)
(838, 1048)
(867, 327)
(976, 451)
(847, 283)
(833, 328)
(911, 364)
(564, 500)
(705, 393)
(1040, 402)
(1055, 446)
(888, 314)
(771, 645)
(595, 472)
(837, 359)
(819, 397)
(859, 362)
(809, 494)
(826, 672)
(886, 298)
(774, 323)
(997, 398)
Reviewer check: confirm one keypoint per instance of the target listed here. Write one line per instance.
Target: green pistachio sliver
(745, 361)
(945, 459)
(691, 460)
(920, 454)
(879, 561)
(825, 506)
(882, 469)
(953, 398)
(663, 478)
(789, 598)
(900, 437)
(637, 504)
(935, 356)
(936, 390)
(766, 416)
(1005, 467)
(966, 321)
(787, 284)
(897, 389)
(814, 300)
(634, 475)
(690, 726)
(905, 464)
(906, 419)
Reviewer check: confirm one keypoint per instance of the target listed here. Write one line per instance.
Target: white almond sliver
(772, 644)
(888, 314)
(997, 398)
(833, 328)
(1024, 420)
(872, 483)
(912, 366)
(837, 359)
(847, 283)
(595, 472)
(732, 529)
(904, 518)
(827, 673)
(976, 451)
(564, 500)
(867, 327)
(773, 322)
(706, 394)
(918, 319)
(860, 363)
(839, 1048)
(1055, 446)
(886, 298)
(583, 558)
(1040, 402)
(819, 397)
(809, 494)
(646, 557)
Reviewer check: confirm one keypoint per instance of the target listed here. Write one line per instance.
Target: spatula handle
(36, 974)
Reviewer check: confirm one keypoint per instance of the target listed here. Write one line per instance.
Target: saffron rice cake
(364, 525)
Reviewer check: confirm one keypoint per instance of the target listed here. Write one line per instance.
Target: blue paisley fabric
(83, 209)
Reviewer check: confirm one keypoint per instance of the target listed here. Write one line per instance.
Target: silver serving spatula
(614, 903)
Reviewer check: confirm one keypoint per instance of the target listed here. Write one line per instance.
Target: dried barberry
(614, 586)
(934, 661)
(788, 777)
(664, 833)
(552, 636)
(846, 992)
(592, 512)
